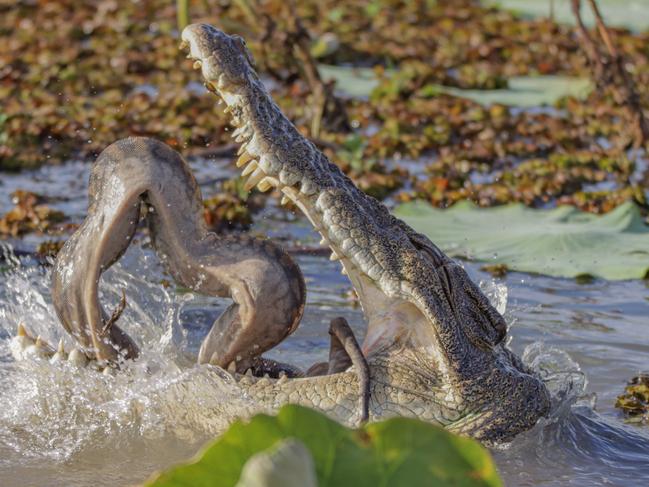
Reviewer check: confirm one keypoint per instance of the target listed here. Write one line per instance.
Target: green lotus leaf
(397, 451)
(522, 91)
(630, 14)
(562, 242)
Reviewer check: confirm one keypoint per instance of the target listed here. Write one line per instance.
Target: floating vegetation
(634, 403)
(496, 270)
(562, 241)
(49, 248)
(29, 214)
(395, 75)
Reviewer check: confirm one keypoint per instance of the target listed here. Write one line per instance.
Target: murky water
(69, 427)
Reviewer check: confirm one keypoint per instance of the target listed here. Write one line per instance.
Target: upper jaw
(201, 40)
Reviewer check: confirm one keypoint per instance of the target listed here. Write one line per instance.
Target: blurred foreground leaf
(563, 242)
(398, 451)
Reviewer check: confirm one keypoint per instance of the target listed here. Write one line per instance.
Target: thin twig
(609, 70)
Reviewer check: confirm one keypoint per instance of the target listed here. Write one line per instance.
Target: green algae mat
(561, 242)
(301, 447)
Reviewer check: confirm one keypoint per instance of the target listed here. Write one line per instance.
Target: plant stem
(182, 14)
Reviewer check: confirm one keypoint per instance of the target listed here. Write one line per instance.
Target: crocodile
(434, 347)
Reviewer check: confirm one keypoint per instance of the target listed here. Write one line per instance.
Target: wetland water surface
(65, 427)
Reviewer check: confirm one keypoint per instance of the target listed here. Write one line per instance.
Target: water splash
(53, 413)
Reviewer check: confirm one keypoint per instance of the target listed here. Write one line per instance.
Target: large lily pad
(562, 242)
(350, 81)
(528, 91)
(522, 91)
(398, 451)
(631, 14)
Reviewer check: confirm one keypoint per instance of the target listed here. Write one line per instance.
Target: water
(69, 427)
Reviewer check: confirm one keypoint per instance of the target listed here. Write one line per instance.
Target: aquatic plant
(397, 451)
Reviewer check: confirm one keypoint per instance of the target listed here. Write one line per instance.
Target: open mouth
(256, 162)
(291, 171)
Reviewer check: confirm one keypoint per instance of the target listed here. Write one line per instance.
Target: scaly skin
(434, 342)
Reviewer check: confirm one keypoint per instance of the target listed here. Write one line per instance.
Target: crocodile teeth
(282, 378)
(285, 200)
(241, 131)
(241, 150)
(78, 358)
(183, 45)
(21, 331)
(197, 64)
(189, 56)
(264, 185)
(254, 179)
(334, 256)
(249, 372)
(249, 169)
(244, 159)
(210, 87)
(232, 367)
(38, 349)
(20, 342)
(323, 241)
(60, 354)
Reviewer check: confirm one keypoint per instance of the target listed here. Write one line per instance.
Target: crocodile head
(425, 316)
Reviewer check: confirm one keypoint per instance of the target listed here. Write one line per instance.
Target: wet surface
(60, 426)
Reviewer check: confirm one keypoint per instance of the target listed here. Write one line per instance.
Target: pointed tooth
(282, 378)
(60, 354)
(285, 200)
(189, 56)
(232, 367)
(244, 159)
(334, 256)
(264, 185)
(197, 64)
(344, 271)
(210, 87)
(323, 241)
(241, 150)
(78, 358)
(21, 331)
(249, 169)
(239, 131)
(266, 376)
(249, 372)
(40, 343)
(183, 45)
(109, 371)
(252, 181)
